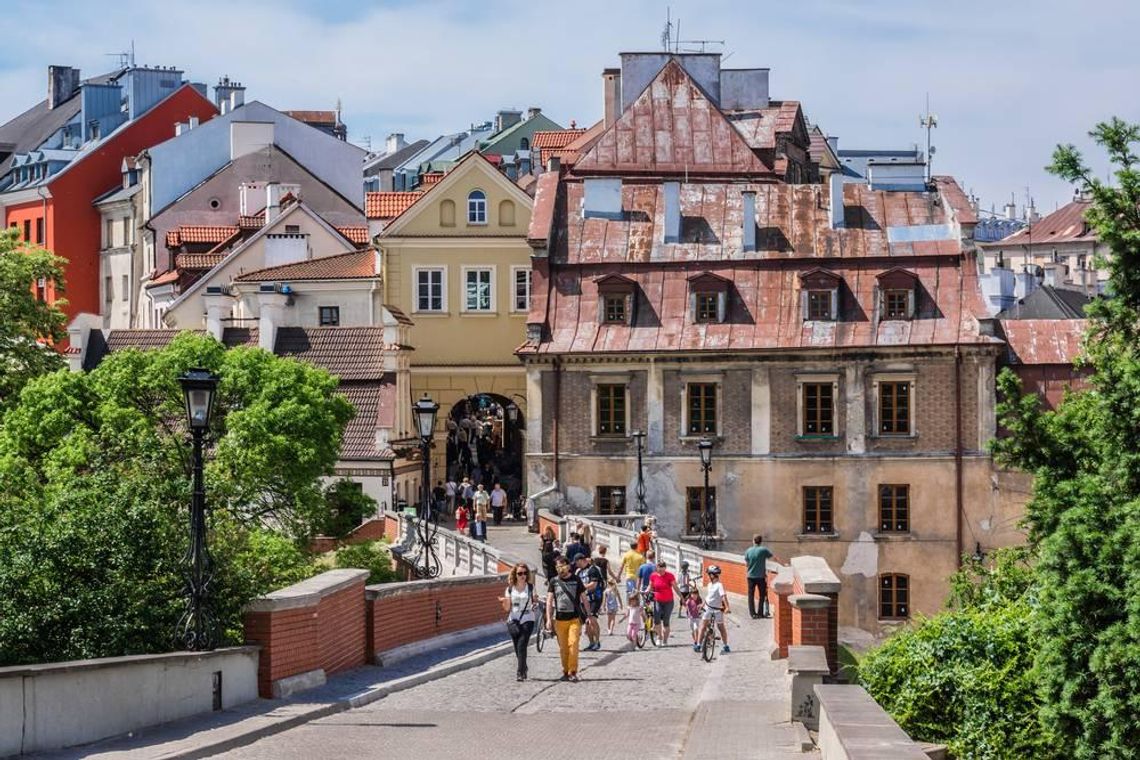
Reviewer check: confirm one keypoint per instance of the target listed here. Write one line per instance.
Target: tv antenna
(126, 57)
(928, 121)
(671, 42)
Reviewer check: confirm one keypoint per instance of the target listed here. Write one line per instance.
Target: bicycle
(540, 632)
(649, 629)
(708, 642)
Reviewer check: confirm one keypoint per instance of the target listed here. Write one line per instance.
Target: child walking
(693, 610)
(633, 616)
(612, 603)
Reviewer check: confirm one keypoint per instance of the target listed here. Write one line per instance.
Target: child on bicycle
(611, 602)
(693, 606)
(634, 618)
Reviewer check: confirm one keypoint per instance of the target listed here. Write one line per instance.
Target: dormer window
(819, 295)
(616, 300)
(708, 298)
(898, 290)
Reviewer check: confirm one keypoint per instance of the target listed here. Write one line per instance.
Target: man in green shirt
(757, 558)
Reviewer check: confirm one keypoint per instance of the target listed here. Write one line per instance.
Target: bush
(372, 556)
(347, 507)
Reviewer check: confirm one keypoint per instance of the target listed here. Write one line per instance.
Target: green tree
(1084, 517)
(347, 506)
(27, 324)
(370, 555)
(93, 513)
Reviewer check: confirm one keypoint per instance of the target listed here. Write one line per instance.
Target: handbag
(514, 627)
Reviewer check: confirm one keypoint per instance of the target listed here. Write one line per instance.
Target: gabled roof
(672, 128)
(1065, 225)
(555, 138)
(1048, 302)
(313, 117)
(355, 234)
(392, 160)
(193, 233)
(345, 266)
(389, 205)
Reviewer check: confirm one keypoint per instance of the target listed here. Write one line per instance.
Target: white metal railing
(458, 554)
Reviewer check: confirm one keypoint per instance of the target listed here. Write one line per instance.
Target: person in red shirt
(644, 540)
(664, 585)
(461, 518)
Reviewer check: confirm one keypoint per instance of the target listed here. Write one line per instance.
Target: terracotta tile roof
(350, 353)
(375, 404)
(313, 117)
(569, 154)
(399, 315)
(555, 138)
(1043, 341)
(145, 340)
(1065, 225)
(388, 205)
(252, 222)
(345, 266)
(430, 178)
(197, 261)
(189, 233)
(171, 275)
(672, 128)
(792, 222)
(358, 235)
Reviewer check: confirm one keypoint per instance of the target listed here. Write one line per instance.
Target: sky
(1007, 80)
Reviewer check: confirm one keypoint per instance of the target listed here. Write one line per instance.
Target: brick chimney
(611, 91)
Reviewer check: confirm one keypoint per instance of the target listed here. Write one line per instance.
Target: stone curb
(443, 669)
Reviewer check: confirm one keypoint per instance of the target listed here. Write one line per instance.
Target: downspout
(557, 408)
(958, 449)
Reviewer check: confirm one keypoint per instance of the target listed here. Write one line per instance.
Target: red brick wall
(781, 617)
(734, 575)
(391, 526)
(421, 610)
(816, 627)
(546, 522)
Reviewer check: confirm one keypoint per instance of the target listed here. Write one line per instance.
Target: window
(694, 499)
(126, 238)
(894, 408)
(708, 307)
(40, 230)
(819, 409)
(611, 500)
(126, 288)
(819, 304)
(613, 309)
(894, 509)
(702, 408)
(611, 409)
(477, 289)
(477, 207)
(429, 290)
(894, 596)
(521, 278)
(817, 509)
(524, 144)
(292, 229)
(110, 241)
(329, 316)
(896, 304)
(28, 231)
(108, 294)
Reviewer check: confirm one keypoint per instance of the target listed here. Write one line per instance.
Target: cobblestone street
(650, 703)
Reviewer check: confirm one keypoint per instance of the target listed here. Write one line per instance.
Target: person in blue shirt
(646, 570)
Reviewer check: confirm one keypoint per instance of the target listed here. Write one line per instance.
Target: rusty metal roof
(759, 127)
(672, 128)
(1044, 341)
(1065, 225)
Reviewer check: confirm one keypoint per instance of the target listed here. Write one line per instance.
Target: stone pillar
(807, 666)
(761, 411)
(655, 411)
(271, 310)
(856, 409)
(534, 419)
(815, 607)
(780, 587)
(219, 306)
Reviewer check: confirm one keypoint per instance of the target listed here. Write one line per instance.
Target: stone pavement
(650, 703)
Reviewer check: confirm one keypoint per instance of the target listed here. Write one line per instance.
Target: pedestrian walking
(603, 564)
(646, 570)
(461, 518)
(586, 536)
(565, 607)
(611, 603)
(498, 503)
(519, 602)
(716, 606)
(644, 539)
(575, 546)
(663, 584)
(631, 562)
(482, 502)
(756, 558)
(634, 616)
(693, 612)
(438, 496)
(450, 490)
(547, 548)
(595, 585)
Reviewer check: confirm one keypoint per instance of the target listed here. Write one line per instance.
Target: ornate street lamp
(426, 561)
(639, 436)
(197, 629)
(705, 446)
(617, 500)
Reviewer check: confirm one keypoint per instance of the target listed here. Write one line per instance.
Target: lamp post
(426, 561)
(639, 436)
(705, 446)
(197, 629)
(617, 500)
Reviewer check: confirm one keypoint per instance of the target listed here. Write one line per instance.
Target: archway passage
(485, 442)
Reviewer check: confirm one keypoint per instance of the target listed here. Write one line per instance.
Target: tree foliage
(27, 324)
(94, 509)
(370, 555)
(346, 507)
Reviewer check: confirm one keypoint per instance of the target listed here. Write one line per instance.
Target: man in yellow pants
(565, 608)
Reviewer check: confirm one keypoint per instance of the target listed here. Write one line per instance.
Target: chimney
(63, 82)
(554, 164)
(1050, 274)
(611, 91)
(178, 127)
(396, 142)
(835, 204)
(272, 202)
(237, 98)
(672, 193)
(224, 94)
(504, 119)
(532, 112)
(748, 212)
(1010, 210)
(271, 308)
(193, 122)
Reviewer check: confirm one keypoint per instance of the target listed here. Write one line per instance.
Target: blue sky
(1007, 80)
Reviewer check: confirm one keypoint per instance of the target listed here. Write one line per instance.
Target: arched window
(894, 596)
(524, 144)
(447, 213)
(507, 214)
(477, 207)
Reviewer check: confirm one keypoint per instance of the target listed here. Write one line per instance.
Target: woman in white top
(519, 602)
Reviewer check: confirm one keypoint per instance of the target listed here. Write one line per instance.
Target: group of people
(472, 504)
(581, 585)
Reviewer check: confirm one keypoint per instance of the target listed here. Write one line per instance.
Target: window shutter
(910, 304)
(721, 306)
(630, 302)
(835, 304)
(693, 306)
(804, 305)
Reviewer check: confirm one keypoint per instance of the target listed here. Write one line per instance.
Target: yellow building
(458, 264)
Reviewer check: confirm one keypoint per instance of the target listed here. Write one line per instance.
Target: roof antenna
(667, 33)
(928, 121)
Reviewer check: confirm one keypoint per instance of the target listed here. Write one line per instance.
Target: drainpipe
(557, 407)
(958, 448)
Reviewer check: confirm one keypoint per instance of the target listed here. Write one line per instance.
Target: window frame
(615, 394)
(616, 298)
(603, 497)
(416, 271)
(515, 271)
(334, 313)
(813, 502)
(880, 384)
(695, 495)
(890, 510)
(817, 297)
(477, 206)
(125, 281)
(706, 307)
(610, 378)
(490, 270)
(907, 304)
(819, 379)
(687, 399)
(898, 606)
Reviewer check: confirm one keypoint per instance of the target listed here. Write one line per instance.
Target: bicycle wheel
(639, 637)
(708, 645)
(652, 634)
(539, 639)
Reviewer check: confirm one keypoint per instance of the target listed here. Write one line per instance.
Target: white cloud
(1008, 81)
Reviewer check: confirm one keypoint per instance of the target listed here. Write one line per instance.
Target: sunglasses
(523, 572)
